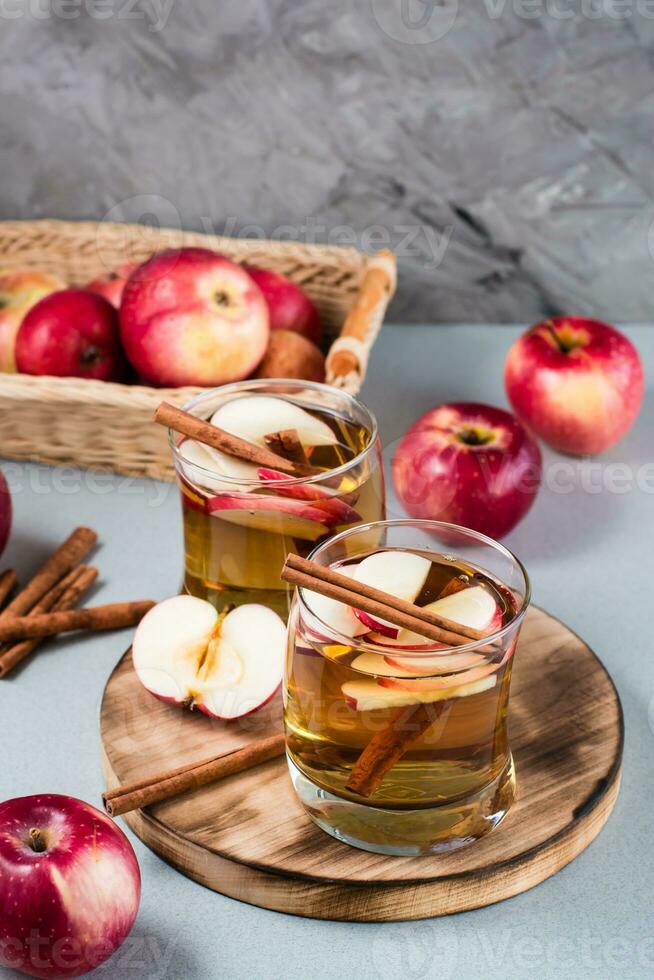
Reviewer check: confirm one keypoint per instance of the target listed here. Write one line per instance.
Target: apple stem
(189, 703)
(36, 841)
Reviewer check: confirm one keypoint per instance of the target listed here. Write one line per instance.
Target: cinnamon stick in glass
(113, 616)
(211, 435)
(67, 555)
(287, 443)
(164, 786)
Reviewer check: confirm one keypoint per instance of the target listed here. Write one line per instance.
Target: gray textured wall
(503, 147)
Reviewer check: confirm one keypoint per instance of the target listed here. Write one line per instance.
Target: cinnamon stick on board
(113, 616)
(154, 789)
(211, 435)
(8, 583)
(64, 595)
(67, 555)
(287, 443)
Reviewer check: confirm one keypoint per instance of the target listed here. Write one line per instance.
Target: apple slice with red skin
(431, 684)
(341, 511)
(227, 665)
(276, 515)
(337, 615)
(369, 695)
(398, 573)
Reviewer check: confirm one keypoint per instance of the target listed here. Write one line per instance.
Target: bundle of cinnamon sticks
(45, 606)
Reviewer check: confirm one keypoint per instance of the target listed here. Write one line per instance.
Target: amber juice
(234, 554)
(453, 780)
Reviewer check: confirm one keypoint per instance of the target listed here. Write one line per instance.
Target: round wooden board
(248, 837)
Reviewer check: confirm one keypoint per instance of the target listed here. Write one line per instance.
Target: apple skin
(468, 464)
(289, 306)
(65, 910)
(190, 316)
(5, 513)
(20, 289)
(71, 334)
(113, 285)
(577, 383)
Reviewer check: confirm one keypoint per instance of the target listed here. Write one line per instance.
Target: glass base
(405, 833)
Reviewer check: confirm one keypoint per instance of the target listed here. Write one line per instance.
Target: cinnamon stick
(67, 555)
(287, 443)
(109, 617)
(8, 583)
(317, 578)
(64, 595)
(389, 744)
(211, 435)
(154, 789)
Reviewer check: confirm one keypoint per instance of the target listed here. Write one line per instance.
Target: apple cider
(240, 520)
(396, 744)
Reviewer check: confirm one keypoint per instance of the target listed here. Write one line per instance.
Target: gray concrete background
(503, 147)
(587, 544)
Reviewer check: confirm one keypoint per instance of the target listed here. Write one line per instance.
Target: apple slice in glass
(338, 509)
(369, 695)
(399, 573)
(253, 417)
(276, 515)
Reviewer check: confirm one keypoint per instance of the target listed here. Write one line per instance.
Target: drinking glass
(237, 532)
(398, 749)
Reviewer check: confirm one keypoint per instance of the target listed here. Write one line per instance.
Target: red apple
(112, 285)
(468, 464)
(190, 316)
(576, 383)
(71, 334)
(69, 886)
(20, 289)
(289, 306)
(5, 513)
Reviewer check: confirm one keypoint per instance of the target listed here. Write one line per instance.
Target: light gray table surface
(589, 546)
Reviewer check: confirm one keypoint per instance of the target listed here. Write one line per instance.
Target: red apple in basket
(468, 464)
(289, 306)
(71, 334)
(20, 289)
(5, 513)
(225, 664)
(190, 316)
(69, 886)
(576, 383)
(113, 284)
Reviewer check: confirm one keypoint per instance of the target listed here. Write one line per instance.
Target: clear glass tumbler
(397, 744)
(239, 528)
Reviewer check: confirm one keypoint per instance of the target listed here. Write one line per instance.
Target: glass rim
(358, 643)
(373, 431)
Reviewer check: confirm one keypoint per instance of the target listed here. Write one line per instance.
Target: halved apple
(253, 417)
(399, 573)
(227, 665)
(369, 695)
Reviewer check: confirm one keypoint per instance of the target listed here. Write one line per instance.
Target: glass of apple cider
(395, 743)
(241, 520)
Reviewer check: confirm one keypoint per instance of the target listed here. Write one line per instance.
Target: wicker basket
(101, 425)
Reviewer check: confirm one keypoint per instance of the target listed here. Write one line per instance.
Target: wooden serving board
(248, 837)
